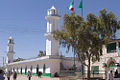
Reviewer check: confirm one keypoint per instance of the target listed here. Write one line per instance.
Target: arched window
(53, 12)
(13, 69)
(31, 69)
(37, 69)
(21, 70)
(17, 69)
(112, 64)
(82, 69)
(26, 70)
(44, 68)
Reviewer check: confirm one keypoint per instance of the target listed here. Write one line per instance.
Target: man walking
(29, 75)
(110, 75)
(8, 75)
(2, 75)
(14, 75)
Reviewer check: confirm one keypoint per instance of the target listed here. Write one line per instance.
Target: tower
(10, 50)
(52, 45)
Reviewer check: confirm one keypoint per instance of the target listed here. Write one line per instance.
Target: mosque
(49, 64)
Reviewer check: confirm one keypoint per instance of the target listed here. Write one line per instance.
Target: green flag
(81, 5)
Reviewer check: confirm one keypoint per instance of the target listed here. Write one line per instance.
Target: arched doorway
(44, 68)
(111, 64)
(31, 69)
(37, 69)
(26, 70)
(21, 70)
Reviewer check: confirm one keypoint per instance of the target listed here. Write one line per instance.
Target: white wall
(55, 66)
(69, 64)
(52, 66)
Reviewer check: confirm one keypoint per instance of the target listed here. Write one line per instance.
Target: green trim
(31, 69)
(37, 69)
(27, 73)
(43, 74)
(112, 65)
(21, 70)
(46, 74)
(33, 73)
(24, 73)
(44, 68)
(26, 70)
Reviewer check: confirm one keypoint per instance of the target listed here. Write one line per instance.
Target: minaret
(10, 50)
(52, 45)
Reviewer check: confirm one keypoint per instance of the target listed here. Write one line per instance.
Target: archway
(21, 70)
(31, 69)
(111, 64)
(44, 68)
(26, 70)
(37, 69)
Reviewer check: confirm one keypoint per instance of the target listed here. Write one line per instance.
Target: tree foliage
(86, 37)
(18, 59)
(42, 53)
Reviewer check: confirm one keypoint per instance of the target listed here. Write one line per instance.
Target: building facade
(110, 60)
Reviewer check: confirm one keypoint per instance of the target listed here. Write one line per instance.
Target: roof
(53, 7)
(10, 37)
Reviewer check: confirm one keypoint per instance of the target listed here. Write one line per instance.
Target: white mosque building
(49, 64)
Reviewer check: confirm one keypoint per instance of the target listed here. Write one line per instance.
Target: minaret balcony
(10, 52)
(52, 17)
(48, 34)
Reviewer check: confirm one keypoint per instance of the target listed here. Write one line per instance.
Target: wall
(34, 64)
(106, 58)
(68, 63)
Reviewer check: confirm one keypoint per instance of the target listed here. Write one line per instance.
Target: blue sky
(25, 21)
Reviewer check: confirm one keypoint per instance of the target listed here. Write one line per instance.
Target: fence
(93, 74)
(67, 73)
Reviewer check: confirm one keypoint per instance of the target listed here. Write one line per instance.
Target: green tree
(42, 53)
(86, 37)
(18, 59)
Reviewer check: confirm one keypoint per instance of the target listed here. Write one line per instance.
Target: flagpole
(74, 65)
(82, 8)
(82, 67)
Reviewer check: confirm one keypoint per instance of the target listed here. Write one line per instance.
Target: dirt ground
(24, 77)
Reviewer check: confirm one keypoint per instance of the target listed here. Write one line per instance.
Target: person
(39, 74)
(14, 75)
(56, 75)
(116, 73)
(110, 75)
(29, 75)
(2, 75)
(8, 75)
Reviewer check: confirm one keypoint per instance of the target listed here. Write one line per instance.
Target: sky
(24, 20)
